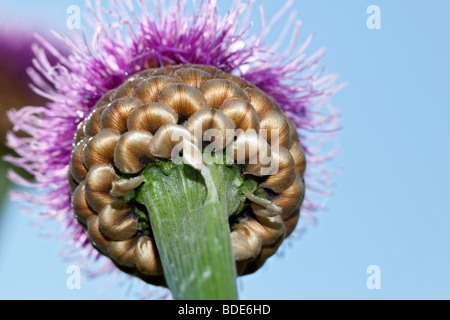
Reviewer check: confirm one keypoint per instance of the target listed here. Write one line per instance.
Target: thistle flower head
(130, 38)
(151, 114)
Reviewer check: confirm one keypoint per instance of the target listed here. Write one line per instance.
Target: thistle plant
(175, 146)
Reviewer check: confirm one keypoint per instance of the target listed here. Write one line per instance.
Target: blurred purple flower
(15, 58)
(129, 37)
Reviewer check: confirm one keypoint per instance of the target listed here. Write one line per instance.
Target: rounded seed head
(194, 106)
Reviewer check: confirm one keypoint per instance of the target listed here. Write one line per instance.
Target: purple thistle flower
(126, 42)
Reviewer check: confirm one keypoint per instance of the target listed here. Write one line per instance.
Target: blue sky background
(390, 207)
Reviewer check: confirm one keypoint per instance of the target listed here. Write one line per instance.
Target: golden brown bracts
(134, 125)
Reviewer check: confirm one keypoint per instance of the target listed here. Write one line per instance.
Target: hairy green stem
(189, 212)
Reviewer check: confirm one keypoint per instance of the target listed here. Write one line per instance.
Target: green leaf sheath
(189, 212)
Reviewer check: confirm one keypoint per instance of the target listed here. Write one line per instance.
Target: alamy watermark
(374, 20)
(374, 280)
(73, 281)
(73, 21)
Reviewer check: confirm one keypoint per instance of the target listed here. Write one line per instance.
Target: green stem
(191, 229)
